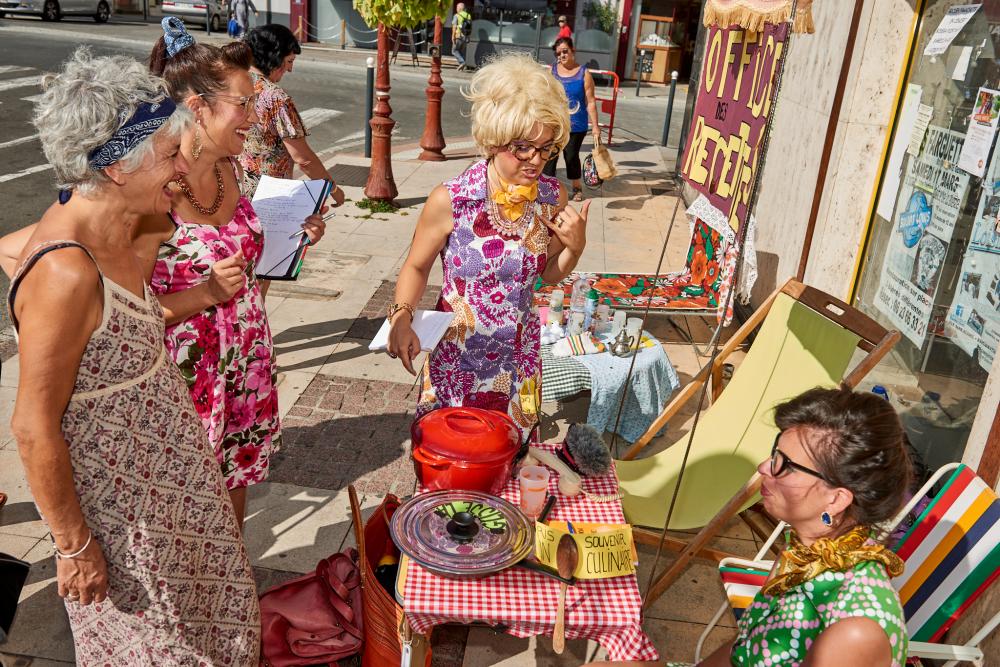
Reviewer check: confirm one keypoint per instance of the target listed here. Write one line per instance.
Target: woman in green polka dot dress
(839, 466)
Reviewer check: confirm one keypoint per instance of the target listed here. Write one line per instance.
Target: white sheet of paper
(924, 114)
(948, 29)
(900, 141)
(429, 325)
(282, 205)
(962, 64)
(979, 136)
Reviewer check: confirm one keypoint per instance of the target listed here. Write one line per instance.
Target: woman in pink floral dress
(202, 261)
(496, 228)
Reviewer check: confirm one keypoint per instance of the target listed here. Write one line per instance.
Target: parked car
(53, 10)
(193, 11)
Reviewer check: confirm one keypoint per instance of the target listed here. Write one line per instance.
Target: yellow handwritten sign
(604, 551)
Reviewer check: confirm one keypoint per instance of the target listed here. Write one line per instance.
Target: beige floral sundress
(181, 591)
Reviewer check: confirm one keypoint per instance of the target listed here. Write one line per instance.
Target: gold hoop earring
(196, 146)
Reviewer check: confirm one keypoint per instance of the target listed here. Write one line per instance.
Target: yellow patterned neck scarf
(799, 563)
(511, 199)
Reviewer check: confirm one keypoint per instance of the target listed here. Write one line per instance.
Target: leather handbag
(314, 619)
(13, 574)
(606, 168)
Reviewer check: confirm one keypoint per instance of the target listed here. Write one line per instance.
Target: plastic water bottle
(590, 307)
(602, 318)
(556, 307)
(578, 297)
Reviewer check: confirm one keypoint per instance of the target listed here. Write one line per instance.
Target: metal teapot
(622, 345)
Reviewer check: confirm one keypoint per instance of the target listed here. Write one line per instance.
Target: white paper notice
(948, 29)
(429, 325)
(982, 129)
(894, 170)
(962, 64)
(924, 114)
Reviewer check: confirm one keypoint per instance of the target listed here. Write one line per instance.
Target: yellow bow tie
(511, 199)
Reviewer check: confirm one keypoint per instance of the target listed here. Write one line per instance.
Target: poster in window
(974, 316)
(982, 129)
(930, 200)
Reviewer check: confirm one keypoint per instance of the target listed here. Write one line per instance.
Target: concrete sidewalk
(347, 412)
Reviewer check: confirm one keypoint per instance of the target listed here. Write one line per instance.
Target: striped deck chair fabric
(741, 580)
(952, 555)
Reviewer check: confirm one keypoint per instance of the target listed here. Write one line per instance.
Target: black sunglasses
(780, 463)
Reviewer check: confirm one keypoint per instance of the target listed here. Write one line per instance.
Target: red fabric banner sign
(734, 98)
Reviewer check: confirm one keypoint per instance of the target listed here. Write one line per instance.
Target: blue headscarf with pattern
(147, 118)
(175, 35)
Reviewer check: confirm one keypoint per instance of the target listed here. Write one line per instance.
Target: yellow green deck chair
(807, 339)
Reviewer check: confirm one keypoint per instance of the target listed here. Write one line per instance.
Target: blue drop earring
(826, 519)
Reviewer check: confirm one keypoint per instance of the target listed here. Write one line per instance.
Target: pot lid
(462, 533)
(470, 435)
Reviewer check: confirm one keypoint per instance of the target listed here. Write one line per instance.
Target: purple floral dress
(225, 353)
(489, 358)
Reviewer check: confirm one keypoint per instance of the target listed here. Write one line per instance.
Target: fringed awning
(753, 14)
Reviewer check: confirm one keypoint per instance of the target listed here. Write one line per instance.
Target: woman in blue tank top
(579, 87)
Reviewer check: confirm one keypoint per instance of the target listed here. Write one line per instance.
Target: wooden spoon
(567, 556)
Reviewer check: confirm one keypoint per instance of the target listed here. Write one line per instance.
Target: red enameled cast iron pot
(464, 448)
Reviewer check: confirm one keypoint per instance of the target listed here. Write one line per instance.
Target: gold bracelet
(396, 307)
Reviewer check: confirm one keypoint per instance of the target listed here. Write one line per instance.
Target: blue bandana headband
(147, 119)
(175, 35)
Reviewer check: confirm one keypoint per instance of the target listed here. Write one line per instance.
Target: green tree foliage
(601, 14)
(400, 13)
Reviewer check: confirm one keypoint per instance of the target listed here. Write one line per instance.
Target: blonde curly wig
(510, 97)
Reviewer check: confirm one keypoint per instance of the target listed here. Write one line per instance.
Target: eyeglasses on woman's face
(781, 464)
(563, 53)
(247, 102)
(525, 150)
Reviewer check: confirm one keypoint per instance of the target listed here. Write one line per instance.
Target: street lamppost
(380, 185)
(432, 140)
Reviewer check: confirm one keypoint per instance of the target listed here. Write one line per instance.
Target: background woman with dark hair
(277, 141)
(579, 87)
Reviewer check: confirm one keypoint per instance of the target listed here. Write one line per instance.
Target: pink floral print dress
(225, 353)
(489, 357)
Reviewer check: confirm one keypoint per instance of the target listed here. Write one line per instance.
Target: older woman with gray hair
(149, 558)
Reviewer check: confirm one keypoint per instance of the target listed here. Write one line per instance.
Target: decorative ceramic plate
(462, 533)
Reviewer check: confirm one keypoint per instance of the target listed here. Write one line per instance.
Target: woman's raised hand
(227, 277)
(570, 227)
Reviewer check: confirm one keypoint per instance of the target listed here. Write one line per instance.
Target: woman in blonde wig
(497, 227)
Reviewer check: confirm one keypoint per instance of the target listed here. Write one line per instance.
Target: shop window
(931, 266)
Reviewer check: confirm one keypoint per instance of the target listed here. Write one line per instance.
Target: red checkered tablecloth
(524, 602)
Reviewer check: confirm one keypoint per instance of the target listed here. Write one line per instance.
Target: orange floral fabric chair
(700, 288)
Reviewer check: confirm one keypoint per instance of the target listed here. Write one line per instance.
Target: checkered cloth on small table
(524, 602)
(562, 377)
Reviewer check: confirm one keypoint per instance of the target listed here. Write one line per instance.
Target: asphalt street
(330, 95)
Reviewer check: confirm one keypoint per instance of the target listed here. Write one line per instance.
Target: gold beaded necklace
(497, 220)
(219, 196)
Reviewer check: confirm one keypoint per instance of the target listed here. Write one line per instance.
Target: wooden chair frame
(875, 340)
